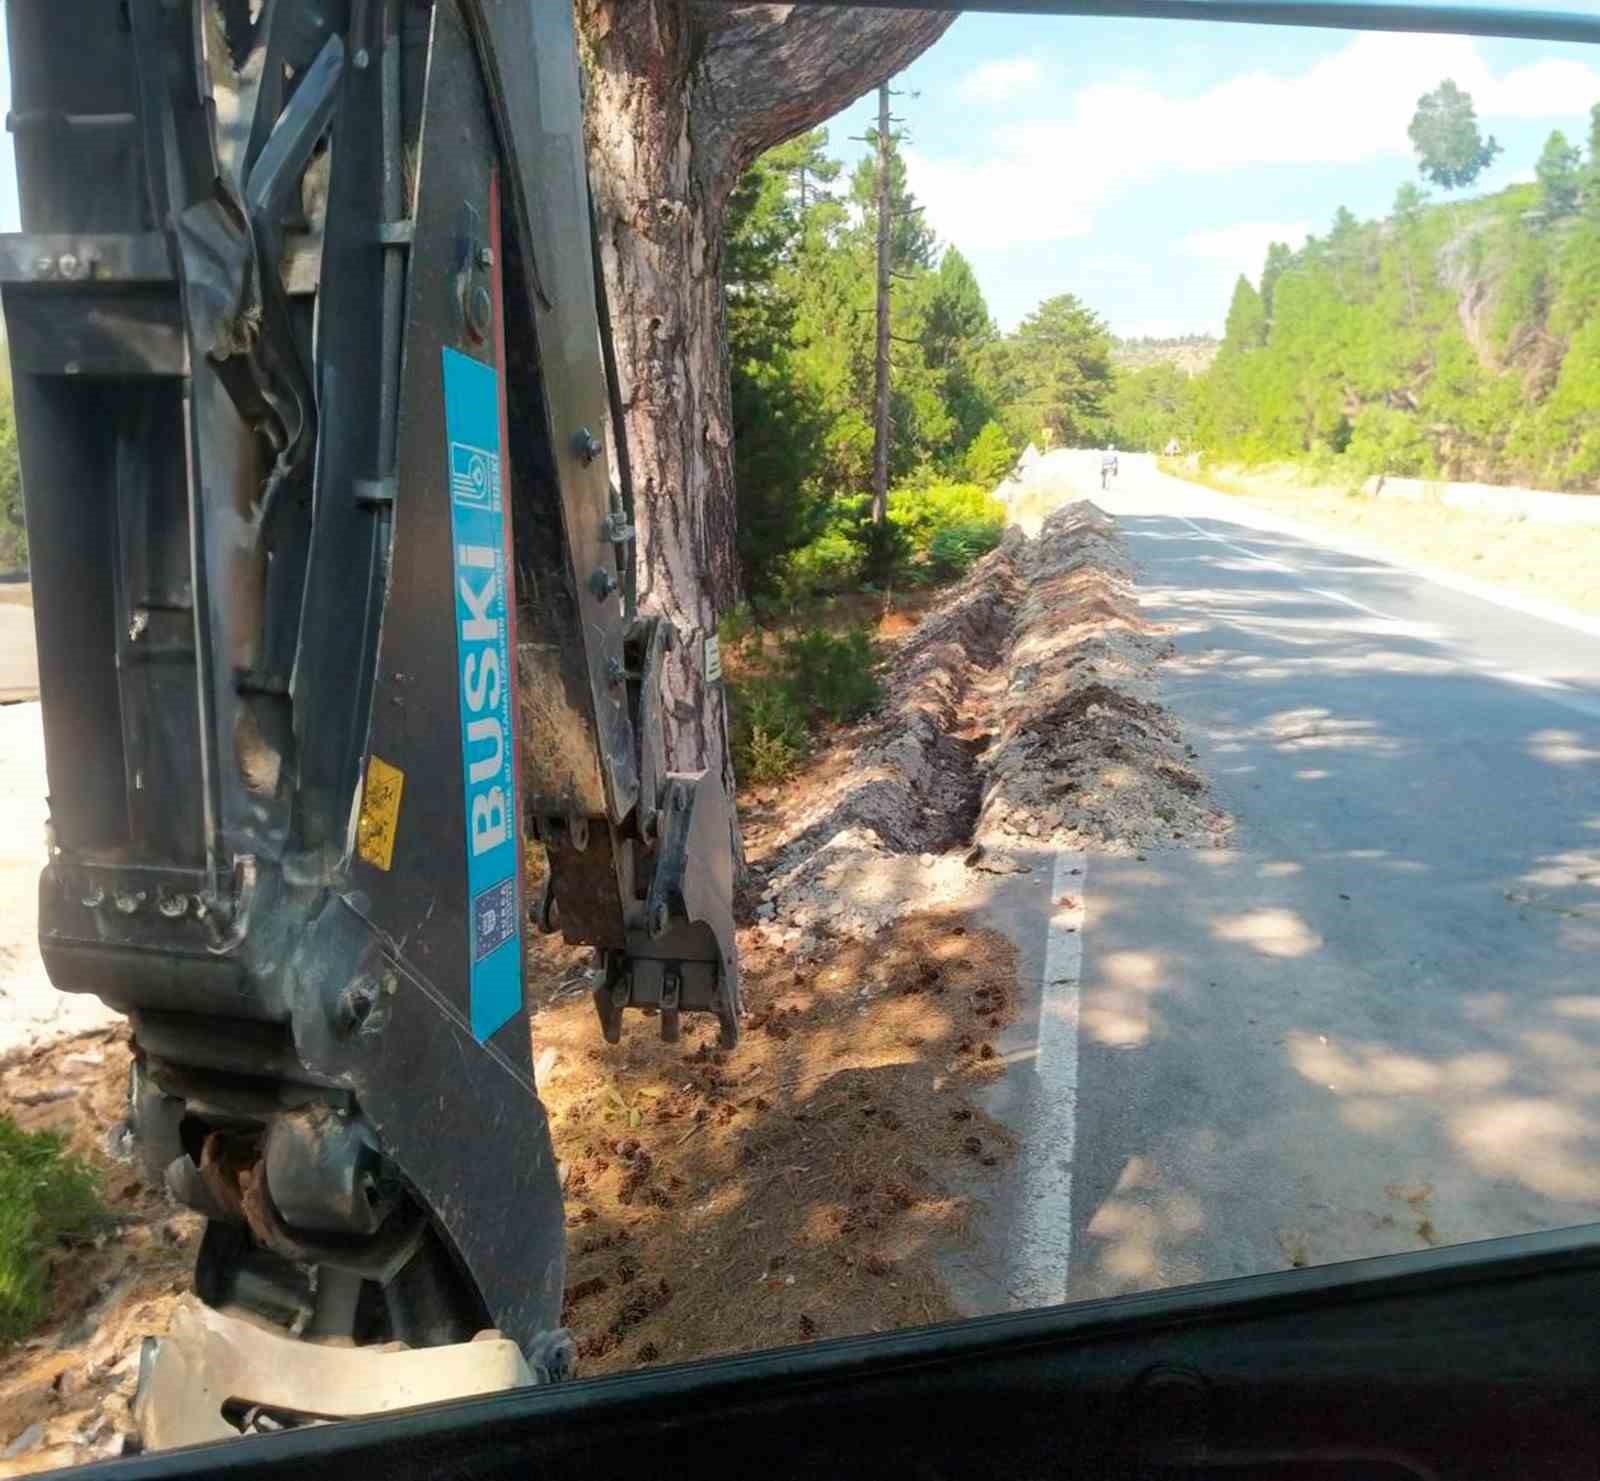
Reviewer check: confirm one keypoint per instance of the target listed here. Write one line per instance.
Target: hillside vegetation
(801, 282)
(1456, 339)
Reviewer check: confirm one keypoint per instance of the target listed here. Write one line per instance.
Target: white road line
(1042, 1231)
(1256, 556)
(1226, 508)
(1339, 596)
(1554, 690)
(1288, 570)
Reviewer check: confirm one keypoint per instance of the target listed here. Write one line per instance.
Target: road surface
(31, 1010)
(19, 669)
(1372, 1023)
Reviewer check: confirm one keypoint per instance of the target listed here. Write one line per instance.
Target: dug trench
(812, 1182)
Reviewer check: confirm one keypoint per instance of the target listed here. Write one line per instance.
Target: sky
(1143, 165)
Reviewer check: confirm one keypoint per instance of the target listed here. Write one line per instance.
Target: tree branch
(768, 72)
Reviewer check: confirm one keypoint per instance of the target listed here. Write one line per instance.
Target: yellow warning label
(380, 813)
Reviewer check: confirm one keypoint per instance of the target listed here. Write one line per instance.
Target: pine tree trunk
(680, 97)
(880, 383)
(660, 246)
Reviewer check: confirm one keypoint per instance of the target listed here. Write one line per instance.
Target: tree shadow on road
(1373, 1022)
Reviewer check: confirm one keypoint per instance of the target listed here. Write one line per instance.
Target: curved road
(1373, 1022)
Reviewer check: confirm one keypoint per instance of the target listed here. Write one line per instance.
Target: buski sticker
(483, 659)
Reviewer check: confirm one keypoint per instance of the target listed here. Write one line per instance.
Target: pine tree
(1444, 132)
(1247, 320)
(1558, 175)
(1407, 213)
(956, 328)
(1279, 259)
(1060, 359)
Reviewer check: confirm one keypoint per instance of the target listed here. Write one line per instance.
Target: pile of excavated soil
(1022, 716)
(801, 1186)
(1084, 755)
(65, 1391)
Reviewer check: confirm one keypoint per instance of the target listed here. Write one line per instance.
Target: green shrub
(773, 707)
(46, 1194)
(940, 529)
(990, 455)
(921, 512)
(888, 553)
(832, 562)
(853, 552)
(737, 626)
(768, 727)
(1390, 442)
(953, 549)
(769, 758)
(831, 678)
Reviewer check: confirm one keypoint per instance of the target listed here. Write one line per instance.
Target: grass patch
(46, 1195)
(1245, 481)
(780, 695)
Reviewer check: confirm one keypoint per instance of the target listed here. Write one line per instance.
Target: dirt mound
(1022, 716)
(1085, 757)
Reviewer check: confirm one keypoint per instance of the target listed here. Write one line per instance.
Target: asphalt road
(19, 668)
(1372, 1023)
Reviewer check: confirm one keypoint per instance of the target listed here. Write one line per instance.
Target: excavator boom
(335, 624)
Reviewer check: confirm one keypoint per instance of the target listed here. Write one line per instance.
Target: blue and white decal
(484, 659)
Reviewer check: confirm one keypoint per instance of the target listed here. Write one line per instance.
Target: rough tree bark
(681, 95)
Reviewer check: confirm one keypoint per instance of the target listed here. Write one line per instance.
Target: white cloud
(1046, 179)
(998, 81)
(1551, 89)
(1242, 247)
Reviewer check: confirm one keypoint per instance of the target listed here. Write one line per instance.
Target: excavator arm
(335, 623)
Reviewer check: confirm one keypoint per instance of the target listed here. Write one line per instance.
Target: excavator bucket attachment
(334, 617)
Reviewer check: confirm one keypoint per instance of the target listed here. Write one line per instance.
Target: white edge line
(1044, 1233)
(1274, 564)
(1339, 596)
(1547, 688)
(1464, 585)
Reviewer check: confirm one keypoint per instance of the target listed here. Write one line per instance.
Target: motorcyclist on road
(1108, 466)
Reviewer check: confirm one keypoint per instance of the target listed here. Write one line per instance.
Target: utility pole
(880, 396)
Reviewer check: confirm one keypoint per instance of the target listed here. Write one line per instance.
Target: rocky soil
(1022, 717)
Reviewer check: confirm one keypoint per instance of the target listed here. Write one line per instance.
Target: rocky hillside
(1457, 340)
(1192, 353)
